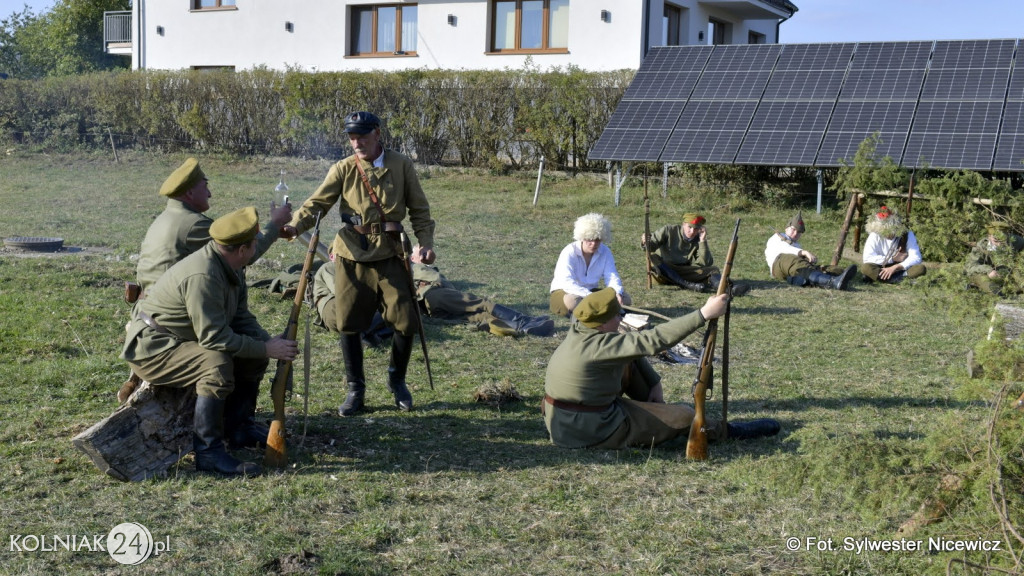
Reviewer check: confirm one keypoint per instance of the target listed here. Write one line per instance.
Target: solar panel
(945, 104)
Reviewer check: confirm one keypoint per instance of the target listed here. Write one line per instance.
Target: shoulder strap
(369, 189)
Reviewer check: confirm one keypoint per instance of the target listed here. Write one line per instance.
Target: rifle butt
(276, 455)
(697, 443)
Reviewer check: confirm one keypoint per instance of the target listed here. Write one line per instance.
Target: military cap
(597, 308)
(361, 122)
(797, 222)
(238, 227)
(693, 219)
(183, 178)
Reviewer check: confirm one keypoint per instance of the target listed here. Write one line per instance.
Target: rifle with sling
(697, 443)
(402, 249)
(276, 454)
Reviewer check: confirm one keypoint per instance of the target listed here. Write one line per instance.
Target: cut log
(1013, 320)
(145, 436)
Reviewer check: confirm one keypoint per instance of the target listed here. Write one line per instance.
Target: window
(720, 31)
(206, 4)
(530, 26)
(386, 29)
(755, 38)
(670, 24)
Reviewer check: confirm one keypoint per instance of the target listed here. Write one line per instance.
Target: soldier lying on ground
(789, 262)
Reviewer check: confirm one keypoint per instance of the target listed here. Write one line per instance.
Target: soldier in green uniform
(194, 328)
(789, 262)
(596, 365)
(684, 258)
(182, 228)
(374, 189)
(440, 299)
(991, 259)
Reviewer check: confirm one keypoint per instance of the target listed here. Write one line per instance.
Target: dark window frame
(545, 32)
(353, 48)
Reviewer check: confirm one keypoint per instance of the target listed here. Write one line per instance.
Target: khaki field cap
(597, 308)
(238, 227)
(183, 179)
(797, 222)
(693, 219)
(996, 227)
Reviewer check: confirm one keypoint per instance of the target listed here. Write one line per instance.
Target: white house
(331, 35)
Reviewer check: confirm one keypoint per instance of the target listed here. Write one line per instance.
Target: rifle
(405, 247)
(697, 443)
(850, 210)
(276, 454)
(647, 230)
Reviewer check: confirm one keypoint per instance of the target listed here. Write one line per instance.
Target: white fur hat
(592, 226)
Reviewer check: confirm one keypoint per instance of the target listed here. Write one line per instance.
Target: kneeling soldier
(194, 328)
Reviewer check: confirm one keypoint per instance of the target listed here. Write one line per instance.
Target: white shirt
(777, 246)
(574, 276)
(876, 247)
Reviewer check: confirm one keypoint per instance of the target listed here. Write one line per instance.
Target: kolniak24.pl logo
(127, 543)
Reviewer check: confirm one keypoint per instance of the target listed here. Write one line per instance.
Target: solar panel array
(955, 104)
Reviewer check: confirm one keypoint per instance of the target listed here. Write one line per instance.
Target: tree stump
(145, 436)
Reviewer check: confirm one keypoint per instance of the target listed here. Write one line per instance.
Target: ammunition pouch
(132, 292)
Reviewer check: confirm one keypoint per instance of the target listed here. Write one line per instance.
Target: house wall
(254, 35)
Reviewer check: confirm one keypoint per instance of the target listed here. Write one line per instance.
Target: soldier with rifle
(600, 391)
(684, 258)
(990, 264)
(375, 189)
(891, 252)
(194, 328)
(790, 262)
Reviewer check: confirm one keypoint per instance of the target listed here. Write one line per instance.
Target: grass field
(869, 385)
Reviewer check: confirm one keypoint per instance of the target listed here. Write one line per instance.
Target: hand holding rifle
(697, 443)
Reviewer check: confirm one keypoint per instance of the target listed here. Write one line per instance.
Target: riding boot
(401, 350)
(674, 278)
(711, 286)
(523, 324)
(754, 429)
(352, 352)
(240, 418)
(208, 441)
(835, 282)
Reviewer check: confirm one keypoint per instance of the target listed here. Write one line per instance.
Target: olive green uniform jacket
(177, 232)
(981, 261)
(677, 250)
(200, 299)
(399, 192)
(587, 369)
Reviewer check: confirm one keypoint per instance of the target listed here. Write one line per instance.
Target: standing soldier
(194, 328)
(789, 262)
(992, 258)
(374, 188)
(684, 258)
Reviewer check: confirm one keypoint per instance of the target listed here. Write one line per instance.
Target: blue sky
(852, 20)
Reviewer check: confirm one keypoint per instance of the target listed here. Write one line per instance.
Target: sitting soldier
(891, 252)
(684, 258)
(990, 263)
(789, 262)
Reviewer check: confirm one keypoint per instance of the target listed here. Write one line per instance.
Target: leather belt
(377, 227)
(574, 407)
(149, 321)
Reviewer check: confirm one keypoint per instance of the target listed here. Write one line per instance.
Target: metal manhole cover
(34, 244)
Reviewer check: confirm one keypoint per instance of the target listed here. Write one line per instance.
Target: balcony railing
(117, 28)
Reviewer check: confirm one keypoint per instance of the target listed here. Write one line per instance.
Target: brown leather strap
(574, 407)
(149, 321)
(377, 227)
(369, 189)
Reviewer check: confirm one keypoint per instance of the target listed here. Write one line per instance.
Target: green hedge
(473, 118)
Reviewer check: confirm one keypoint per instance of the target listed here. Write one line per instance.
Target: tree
(64, 41)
